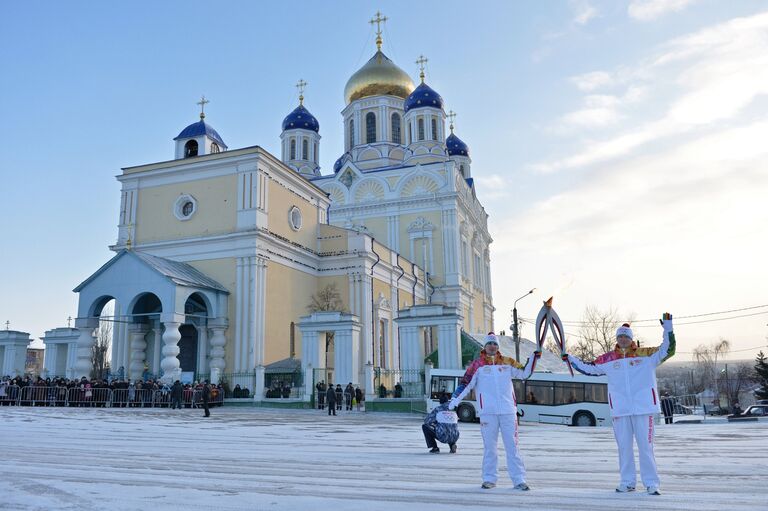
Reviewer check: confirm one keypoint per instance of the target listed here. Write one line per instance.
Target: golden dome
(378, 77)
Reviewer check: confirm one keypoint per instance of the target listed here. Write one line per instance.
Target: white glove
(666, 323)
(453, 403)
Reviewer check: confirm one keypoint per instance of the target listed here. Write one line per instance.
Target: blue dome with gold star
(301, 119)
(456, 146)
(423, 96)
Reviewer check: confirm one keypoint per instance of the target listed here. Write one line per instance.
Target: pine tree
(761, 375)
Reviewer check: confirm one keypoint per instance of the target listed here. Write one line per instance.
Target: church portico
(163, 301)
(344, 330)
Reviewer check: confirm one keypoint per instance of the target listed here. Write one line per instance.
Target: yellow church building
(229, 261)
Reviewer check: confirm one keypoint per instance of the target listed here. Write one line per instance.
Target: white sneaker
(653, 490)
(624, 488)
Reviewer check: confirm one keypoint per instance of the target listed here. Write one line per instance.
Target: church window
(421, 128)
(305, 149)
(215, 148)
(314, 156)
(396, 138)
(294, 218)
(410, 134)
(293, 149)
(351, 133)
(382, 344)
(190, 148)
(461, 169)
(187, 208)
(434, 129)
(370, 128)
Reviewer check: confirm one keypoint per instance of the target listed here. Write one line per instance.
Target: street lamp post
(515, 331)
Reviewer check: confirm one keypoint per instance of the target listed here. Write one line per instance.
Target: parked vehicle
(753, 411)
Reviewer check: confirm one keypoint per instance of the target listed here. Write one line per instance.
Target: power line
(578, 323)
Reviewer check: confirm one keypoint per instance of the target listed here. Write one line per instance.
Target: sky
(617, 146)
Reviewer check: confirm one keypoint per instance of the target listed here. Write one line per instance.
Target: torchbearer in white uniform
(495, 395)
(633, 398)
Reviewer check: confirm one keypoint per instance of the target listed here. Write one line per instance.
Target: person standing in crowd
(321, 395)
(668, 408)
(491, 377)
(177, 393)
(349, 393)
(358, 397)
(330, 397)
(633, 400)
(206, 398)
(339, 396)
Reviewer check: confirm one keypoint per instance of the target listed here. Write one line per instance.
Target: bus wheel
(583, 419)
(466, 413)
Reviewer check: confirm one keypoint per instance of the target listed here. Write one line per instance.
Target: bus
(550, 398)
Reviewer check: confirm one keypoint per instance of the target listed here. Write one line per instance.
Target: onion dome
(300, 118)
(378, 77)
(199, 128)
(424, 95)
(455, 146)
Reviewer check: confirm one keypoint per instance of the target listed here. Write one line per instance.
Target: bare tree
(597, 334)
(706, 357)
(327, 299)
(736, 380)
(100, 349)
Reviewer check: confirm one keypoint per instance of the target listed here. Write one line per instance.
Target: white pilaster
(137, 332)
(217, 342)
(85, 342)
(260, 312)
(170, 363)
(449, 346)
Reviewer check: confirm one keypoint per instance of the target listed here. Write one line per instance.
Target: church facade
(229, 260)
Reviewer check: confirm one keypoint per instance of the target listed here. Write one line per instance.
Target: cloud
(584, 12)
(709, 76)
(493, 186)
(649, 10)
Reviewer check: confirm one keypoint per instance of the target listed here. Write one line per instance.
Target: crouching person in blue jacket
(441, 425)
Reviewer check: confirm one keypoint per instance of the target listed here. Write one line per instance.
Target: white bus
(552, 398)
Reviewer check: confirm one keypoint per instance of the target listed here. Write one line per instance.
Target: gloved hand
(564, 356)
(453, 403)
(537, 355)
(666, 322)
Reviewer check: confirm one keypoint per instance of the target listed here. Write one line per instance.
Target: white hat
(491, 338)
(624, 330)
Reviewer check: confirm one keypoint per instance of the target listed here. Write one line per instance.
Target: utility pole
(515, 329)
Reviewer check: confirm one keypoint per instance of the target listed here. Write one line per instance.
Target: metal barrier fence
(102, 397)
(393, 383)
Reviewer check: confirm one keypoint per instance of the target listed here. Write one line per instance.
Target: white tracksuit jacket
(494, 390)
(631, 376)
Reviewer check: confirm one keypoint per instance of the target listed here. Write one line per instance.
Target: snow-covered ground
(258, 459)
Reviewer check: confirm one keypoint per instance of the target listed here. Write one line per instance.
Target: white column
(239, 312)
(366, 334)
(49, 359)
(125, 346)
(311, 351)
(347, 356)
(138, 350)
(85, 342)
(170, 364)
(258, 393)
(449, 346)
(71, 359)
(410, 343)
(158, 346)
(260, 311)
(217, 342)
(202, 349)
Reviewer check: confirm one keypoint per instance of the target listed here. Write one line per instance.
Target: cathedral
(231, 260)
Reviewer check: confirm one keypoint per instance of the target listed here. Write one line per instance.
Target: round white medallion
(294, 218)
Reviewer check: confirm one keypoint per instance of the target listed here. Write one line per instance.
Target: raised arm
(588, 368)
(524, 372)
(668, 343)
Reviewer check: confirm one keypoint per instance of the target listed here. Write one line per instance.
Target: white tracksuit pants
(628, 430)
(490, 424)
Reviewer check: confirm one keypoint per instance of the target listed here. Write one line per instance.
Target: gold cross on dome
(451, 115)
(69, 322)
(301, 85)
(378, 20)
(420, 62)
(202, 104)
(7, 325)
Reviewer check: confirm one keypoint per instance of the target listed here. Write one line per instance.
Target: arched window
(190, 148)
(410, 134)
(421, 128)
(370, 128)
(461, 169)
(215, 148)
(315, 156)
(434, 129)
(351, 133)
(293, 149)
(396, 138)
(305, 149)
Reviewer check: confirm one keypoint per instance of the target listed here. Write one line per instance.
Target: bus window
(440, 384)
(540, 393)
(519, 390)
(566, 392)
(596, 392)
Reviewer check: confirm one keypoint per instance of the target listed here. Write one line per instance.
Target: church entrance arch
(188, 349)
(193, 345)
